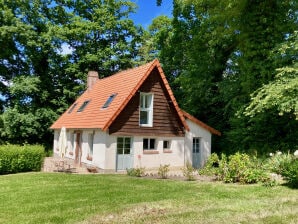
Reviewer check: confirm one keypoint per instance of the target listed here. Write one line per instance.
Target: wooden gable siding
(165, 119)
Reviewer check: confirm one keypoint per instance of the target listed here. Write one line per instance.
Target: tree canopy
(49, 47)
(232, 64)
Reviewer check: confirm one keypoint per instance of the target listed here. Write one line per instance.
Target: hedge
(16, 158)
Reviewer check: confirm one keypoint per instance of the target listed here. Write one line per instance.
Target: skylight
(82, 107)
(109, 100)
(71, 109)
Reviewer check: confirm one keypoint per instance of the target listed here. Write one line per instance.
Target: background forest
(233, 64)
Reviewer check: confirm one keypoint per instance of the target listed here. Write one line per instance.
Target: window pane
(148, 101)
(142, 101)
(152, 143)
(127, 143)
(145, 143)
(83, 106)
(144, 117)
(166, 144)
(127, 151)
(196, 145)
(109, 100)
(120, 145)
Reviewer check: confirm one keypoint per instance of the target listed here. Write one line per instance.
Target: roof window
(109, 100)
(71, 109)
(82, 107)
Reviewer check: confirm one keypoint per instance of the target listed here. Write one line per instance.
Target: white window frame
(149, 110)
(149, 143)
(196, 145)
(169, 144)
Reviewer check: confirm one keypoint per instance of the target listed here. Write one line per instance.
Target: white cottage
(132, 119)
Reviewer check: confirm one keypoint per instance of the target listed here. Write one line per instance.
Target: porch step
(54, 164)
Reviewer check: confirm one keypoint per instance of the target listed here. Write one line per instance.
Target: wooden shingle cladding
(166, 121)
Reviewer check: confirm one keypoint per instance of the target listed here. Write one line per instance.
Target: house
(131, 119)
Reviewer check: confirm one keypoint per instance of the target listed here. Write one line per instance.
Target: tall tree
(219, 53)
(49, 47)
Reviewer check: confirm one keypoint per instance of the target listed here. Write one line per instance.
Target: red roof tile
(125, 84)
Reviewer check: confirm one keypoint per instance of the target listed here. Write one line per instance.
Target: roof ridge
(127, 70)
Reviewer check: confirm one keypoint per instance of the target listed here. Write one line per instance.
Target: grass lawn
(71, 198)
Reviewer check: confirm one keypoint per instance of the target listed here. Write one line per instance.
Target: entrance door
(78, 148)
(124, 153)
(196, 153)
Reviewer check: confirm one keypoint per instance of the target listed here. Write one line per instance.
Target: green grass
(70, 198)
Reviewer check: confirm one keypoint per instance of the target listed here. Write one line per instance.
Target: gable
(124, 85)
(166, 121)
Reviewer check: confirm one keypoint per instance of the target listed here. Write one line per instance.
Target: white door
(196, 153)
(124, 153)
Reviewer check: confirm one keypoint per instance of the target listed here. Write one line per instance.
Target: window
(123, 145)
(71, 109)
(146, 109)
(196, 145)
(109, 101)
(82, 107)
(90, 143)
(148, 144)
(166, 144)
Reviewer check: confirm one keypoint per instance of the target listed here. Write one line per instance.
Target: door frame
(78, 148)
(131, 155)
(196, 153)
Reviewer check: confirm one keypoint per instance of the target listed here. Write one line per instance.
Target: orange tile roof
(125, 84)
(202, 124)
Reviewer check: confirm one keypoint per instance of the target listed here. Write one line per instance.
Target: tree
(220, 52)
(39, 79)
(282, 92)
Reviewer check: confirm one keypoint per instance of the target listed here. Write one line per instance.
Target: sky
(148, 10)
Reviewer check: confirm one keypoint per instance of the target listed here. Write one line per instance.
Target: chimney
(91, 79)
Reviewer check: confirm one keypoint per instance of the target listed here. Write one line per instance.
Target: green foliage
(15, 158)
(290, 172)
(276, 161)
(218, 53)
(189, 172)
(238, 167)
(136, 172)
(48, 52)
(211, 167)
(284, 164)
(163, 171)
(282, 92)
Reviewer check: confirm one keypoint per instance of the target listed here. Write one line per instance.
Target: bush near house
(241, 167)
(16, 158)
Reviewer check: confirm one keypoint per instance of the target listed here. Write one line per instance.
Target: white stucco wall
(205, 142)
(175, 158)
(104, 148)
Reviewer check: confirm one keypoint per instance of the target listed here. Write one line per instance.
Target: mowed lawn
(72, 198)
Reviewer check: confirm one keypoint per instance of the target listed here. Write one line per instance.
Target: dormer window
(146, 109)
(71, 109)
(83, 106)
(109, 100)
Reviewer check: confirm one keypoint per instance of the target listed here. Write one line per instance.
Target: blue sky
(147, 10)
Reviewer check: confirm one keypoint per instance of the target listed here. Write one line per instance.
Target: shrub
(136, 172)
(163, 171)
(211, 167)
(238, 167)
(189, 172)
(15, 158)
(290, 172)
(276, 162)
